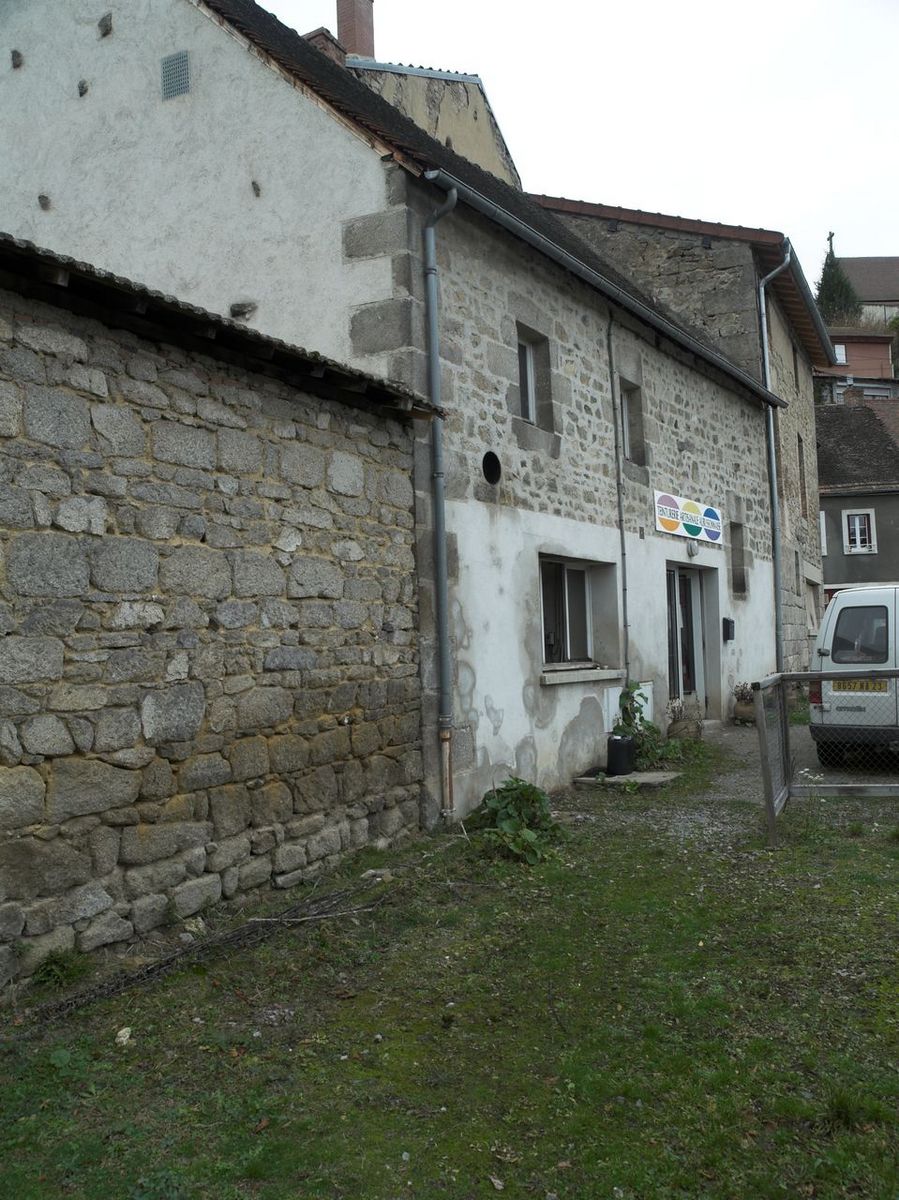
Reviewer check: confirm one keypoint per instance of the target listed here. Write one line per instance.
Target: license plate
(860, 685)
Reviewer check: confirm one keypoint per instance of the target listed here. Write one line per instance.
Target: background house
(864, 363)
(858, 471)
(876, 283)
(709, 274)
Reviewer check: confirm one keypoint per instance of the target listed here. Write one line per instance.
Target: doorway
(686, 647)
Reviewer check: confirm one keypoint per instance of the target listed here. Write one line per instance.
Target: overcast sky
(780, 113)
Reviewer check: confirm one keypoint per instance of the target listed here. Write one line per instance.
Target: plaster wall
(144, 187)
(516, 721)
(850, 570)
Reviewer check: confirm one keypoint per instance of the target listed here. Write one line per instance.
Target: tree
(837, 298)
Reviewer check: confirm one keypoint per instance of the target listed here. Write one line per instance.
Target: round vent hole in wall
(492, 468)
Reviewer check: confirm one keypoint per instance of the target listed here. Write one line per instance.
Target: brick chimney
(356, 27)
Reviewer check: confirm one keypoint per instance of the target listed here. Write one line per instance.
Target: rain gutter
(770, 429)
(438, 486)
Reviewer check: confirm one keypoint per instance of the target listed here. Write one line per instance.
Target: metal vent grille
(176, 75)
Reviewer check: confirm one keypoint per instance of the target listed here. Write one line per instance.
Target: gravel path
(729, 811)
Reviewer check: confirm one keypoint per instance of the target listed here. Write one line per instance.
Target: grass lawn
(665, 1009)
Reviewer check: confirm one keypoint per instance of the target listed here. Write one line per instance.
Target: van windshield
(861, 635)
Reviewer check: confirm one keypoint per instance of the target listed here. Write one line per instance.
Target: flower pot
(686, 727)
(744, 710)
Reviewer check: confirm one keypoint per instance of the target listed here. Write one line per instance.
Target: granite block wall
(209, 675)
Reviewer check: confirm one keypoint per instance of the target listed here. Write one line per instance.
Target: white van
(858, 631)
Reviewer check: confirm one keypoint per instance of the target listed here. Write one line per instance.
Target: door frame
(692, 577)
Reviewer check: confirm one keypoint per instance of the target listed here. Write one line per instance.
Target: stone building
(209, 658)
(708, 274)
(601, 473)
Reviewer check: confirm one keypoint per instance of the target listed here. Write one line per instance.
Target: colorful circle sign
(691, 507)
(712, 534)
(670, 524)
(687, 518)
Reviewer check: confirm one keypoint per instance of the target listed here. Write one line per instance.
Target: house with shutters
(594, 507)
(858, 475)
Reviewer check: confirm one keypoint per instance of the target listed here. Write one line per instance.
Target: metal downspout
(770, 428)
(441, 587)
(619, 488)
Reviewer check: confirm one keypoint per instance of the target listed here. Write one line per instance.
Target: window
(803, 497)
(632, 444)
(565, 593)
(859, 531)
(839, 350)
(737, 559)
(861, 635)
(822, 532)
(797, 571)
(527, 381)
(534, 403)
(795, 367)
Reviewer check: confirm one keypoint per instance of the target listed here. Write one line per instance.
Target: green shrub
(60, 968)
(652, 750)
(520, 823)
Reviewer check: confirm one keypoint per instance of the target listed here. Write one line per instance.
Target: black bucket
(622, 754)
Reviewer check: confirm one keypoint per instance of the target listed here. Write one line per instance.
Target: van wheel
(829, 754)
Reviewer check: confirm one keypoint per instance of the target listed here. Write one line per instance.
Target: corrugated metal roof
(65, 281)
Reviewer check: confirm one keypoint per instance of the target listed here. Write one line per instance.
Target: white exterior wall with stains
(161, 191)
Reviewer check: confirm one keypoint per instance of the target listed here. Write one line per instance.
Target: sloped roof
(857, 446)
(63, 281)
(420, 152)
(876, 280)
(791, 286)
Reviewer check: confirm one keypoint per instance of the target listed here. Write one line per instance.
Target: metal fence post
(764, 756)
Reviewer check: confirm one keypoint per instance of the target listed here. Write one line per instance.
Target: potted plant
(621, 746)
(682, 723)
(744, 703)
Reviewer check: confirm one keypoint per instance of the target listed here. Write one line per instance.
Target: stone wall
(802, 590)
(712, 284)
(208, 661)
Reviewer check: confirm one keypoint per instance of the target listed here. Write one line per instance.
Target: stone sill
(580, 675)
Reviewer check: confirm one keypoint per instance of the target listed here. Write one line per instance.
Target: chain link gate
(849, 745)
